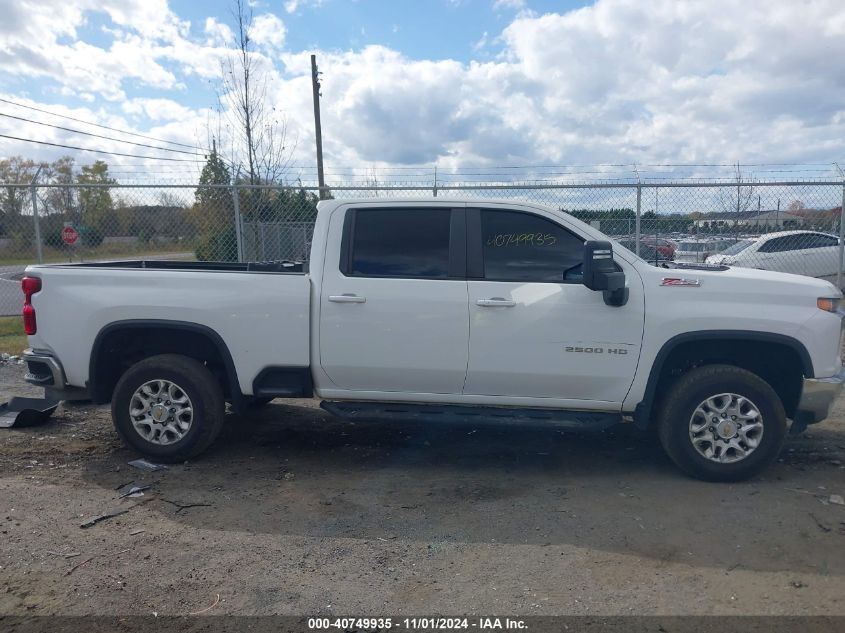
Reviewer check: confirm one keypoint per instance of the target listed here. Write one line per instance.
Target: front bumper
(817, 396)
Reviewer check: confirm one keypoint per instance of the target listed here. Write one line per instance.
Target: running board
(398, 411)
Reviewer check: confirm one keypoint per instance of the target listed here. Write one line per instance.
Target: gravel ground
(295, 512)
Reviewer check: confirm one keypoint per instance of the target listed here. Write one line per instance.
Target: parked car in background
(809, 253)
(665, 247)
(649, 253)
(697, 250)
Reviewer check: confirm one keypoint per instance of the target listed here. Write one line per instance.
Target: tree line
(204, 221)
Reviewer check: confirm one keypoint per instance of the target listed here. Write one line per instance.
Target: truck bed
(163, 264)
(259, 311)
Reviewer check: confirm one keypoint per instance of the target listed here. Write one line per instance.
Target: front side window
(524, 247)
(401, 243)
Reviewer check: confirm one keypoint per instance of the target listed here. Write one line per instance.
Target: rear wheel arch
(138, 339)
(748, 350)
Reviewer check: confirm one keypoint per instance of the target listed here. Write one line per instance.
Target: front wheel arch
(780, 360)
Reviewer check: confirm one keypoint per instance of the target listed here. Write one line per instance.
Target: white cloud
(291, 6)
(219, 34)
(268, 30)
(481, 43)
(514, 5)
(618, 81)
(158, 109)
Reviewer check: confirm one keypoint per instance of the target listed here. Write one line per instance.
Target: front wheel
(722, 423)
(168, 407)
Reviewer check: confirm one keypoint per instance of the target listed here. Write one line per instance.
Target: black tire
(696, 386)
(196, 381)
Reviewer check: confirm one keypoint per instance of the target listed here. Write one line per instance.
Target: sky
(460, 84)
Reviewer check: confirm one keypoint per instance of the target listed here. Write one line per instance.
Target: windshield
(737, 248)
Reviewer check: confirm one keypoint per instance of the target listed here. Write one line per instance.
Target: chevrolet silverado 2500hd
(446, 309)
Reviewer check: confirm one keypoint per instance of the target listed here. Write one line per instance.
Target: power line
(105, 127)
(98, 151)
(108, 138)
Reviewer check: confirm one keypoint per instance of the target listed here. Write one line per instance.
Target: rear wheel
(168, 407)
(722, 423)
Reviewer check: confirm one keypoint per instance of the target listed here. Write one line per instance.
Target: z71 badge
(680, 281)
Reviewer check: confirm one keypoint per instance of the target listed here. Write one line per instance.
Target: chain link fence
(784, 226)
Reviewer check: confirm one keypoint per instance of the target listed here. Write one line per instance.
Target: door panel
(379, 332)
(550, 338)
(557, 341)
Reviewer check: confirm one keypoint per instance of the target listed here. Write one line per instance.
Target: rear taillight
(29, 285)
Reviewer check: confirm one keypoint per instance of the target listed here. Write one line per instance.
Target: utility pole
(318, 132)
(637, 217)
(738, 189)
(841, 231)
(38, 248)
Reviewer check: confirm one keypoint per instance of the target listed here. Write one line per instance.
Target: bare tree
(259, 147)
(738, 198)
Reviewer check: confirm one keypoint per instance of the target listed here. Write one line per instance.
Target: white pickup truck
(446, 309)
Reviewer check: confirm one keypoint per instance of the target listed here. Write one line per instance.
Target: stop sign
(69, 235)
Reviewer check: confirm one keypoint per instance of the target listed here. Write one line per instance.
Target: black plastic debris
(147, 465)
(26, 411)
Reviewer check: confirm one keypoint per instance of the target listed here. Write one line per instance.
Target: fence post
(435, 181)
(38, 247)
(236, 201)
(637, 220)
(841, 240)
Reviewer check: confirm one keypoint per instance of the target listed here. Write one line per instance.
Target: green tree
(214, 213)
(14, 170)
(61, 200)
(96, 207)
(214, 172)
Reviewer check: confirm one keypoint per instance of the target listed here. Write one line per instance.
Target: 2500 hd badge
(597, 350)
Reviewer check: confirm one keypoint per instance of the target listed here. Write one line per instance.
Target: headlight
(829, 304)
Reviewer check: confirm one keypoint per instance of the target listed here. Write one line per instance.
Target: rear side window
(401, 243)
(781, 244)
(819, 240)
(524, 247)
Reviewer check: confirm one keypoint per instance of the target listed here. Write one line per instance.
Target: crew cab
(446, 309)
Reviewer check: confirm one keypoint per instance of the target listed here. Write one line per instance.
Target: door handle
(495, 302)
(347, 298)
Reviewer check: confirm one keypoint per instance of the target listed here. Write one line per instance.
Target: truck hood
(779, 287)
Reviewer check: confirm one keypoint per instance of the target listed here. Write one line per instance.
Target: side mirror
(600, 272)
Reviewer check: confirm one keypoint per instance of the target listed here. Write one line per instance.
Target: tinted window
(818, 240)
(780, 244)
(738, 247)
(401, 242)
(524, 247)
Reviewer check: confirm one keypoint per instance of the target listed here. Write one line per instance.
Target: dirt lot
(294, 512)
